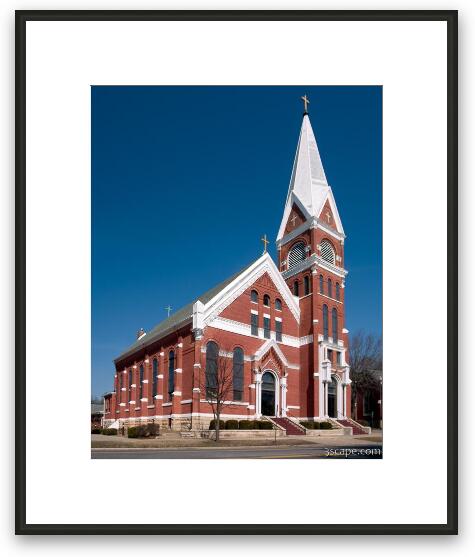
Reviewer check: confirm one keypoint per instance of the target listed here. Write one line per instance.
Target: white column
(258, 382)
(283, 397)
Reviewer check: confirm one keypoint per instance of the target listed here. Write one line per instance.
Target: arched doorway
(332, 398)
(268, 394)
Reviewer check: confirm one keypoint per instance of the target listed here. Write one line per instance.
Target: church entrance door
(268, 394)
(332, 404)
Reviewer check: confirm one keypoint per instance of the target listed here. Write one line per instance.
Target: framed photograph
(217, 216)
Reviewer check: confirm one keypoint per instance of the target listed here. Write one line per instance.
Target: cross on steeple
(293, 219)
(265, 241)
(306, 102)
(169, 309)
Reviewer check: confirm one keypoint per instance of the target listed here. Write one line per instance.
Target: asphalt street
(301, 451)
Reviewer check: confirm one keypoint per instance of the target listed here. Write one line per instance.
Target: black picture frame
(21, 18)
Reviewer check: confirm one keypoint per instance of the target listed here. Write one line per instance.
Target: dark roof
(179, 317)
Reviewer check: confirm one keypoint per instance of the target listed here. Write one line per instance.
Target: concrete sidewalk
(106, 442)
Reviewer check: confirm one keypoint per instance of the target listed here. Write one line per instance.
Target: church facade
(278, 328)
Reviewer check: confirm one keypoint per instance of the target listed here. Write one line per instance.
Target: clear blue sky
(186, 180)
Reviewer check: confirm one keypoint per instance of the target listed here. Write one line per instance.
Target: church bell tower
(310, 246)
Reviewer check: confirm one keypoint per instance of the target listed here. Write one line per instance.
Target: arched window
(141, 382)
(130, 383)
(154, 378)
(266, 300)
(321, 284)
(254, 296)
(296, 288)
(325, 321)
(238, 373)
(306, 285)
(171, 374)
(330, 289)
(119, 389)
(337, 291)
(296, 255)
(335, 325)
(212, 351)
(278, 304)
(327, 251)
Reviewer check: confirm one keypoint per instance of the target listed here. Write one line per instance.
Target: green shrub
(265, 424)
(326, 425)
(212, 424)
(133, 432)
(96, 430)
(153, 430)
(109, 431)
(245, 424)
(232, 424)
(308, 425)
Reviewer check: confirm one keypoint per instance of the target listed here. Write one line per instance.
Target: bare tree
(366, 359)
(218, 381)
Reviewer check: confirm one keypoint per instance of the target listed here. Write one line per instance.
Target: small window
(266, 300)
(335, 325)
(141, 382)
(254, 324)
(254, 296)
(238, 373)
(296, 255)
(278, 305)
(306, 285)
(327, 251)
(330, 289)
(212, 351)
(130, 383)
(325, 321)
(337, 291)
(296, 288)
(321, 284)
(266, 327)
(171, 374)
(278, 331)
(338, 358)
(154, 378)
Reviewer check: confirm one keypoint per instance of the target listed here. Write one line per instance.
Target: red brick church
(282, 327)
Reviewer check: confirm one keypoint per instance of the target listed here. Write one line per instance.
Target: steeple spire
(308, 187)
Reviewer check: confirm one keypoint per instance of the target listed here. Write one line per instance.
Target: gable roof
(178, 318)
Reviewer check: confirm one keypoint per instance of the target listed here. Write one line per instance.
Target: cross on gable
(329, 216)
(293, 219)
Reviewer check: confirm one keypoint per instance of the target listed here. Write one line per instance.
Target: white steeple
(308, 187)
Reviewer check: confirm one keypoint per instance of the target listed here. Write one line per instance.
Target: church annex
(282, 327)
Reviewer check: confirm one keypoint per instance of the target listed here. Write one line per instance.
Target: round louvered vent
(296, 254)
(327, 251)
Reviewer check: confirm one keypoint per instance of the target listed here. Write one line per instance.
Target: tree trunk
(216, 425)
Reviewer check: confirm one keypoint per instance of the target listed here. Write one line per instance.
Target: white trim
(167, 403)
(278, 319)
(178, 370)
(225, 297)
(176, 393)
(188, 401)
(160, 376)
(144, 380)
(293, 407)
(229, 325)
(266, 315)
(254, 312)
